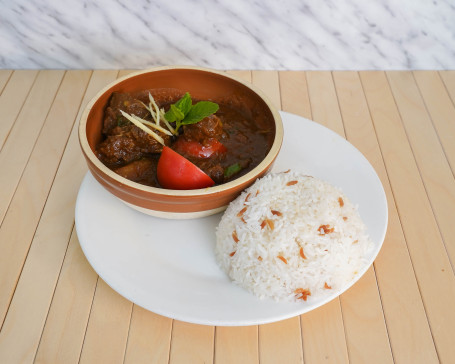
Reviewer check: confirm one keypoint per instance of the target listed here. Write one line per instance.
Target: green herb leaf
(179, 115)
(174, 114)
(184, 104)
(178, 111)
(183, 112)
(170, 116)
(200, 111)
(232, 169)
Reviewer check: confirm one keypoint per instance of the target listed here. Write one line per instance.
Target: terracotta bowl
(202, 84)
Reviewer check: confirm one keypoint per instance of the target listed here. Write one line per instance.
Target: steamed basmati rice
(290, 237)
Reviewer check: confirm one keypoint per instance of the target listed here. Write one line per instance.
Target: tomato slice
(196, 149)
(178, 173)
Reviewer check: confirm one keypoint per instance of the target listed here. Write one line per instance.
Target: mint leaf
(174, 114)
(170, 116)
(232, 169)
(200, 111)
(178, 110)
(184, 104)
(183, 112)
(179, 115)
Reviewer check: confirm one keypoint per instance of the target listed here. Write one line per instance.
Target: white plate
(168, 266)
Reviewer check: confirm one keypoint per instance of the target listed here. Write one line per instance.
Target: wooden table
(55, 309)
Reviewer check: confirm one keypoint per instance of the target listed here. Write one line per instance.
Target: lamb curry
(228, 141)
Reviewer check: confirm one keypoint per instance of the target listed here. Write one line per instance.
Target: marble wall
(228, 34)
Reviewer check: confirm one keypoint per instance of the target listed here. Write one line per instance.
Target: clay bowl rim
(264, 165)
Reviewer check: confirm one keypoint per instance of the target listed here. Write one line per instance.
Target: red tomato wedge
(178, 173)
(196, 149)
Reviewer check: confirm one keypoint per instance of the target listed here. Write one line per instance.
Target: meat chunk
(125, 102)
(117, 150)
(128, 143)
(132, 103)
(205, 130)
(216, 173)
(162, 96)
(139, 171)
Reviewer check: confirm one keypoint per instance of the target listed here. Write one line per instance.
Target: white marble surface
(228, 34)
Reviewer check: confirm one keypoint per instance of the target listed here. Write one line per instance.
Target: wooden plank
(191, 343)
(12, 99)
(63, 334)
(294, 93)
(268, 82)
(27, 204)
(24, 133)
(323, 335)
(280, 342)
(244, 75)
(407, 325)
(324, 339)
(236, 345)
(149, 338)
(68, 315)
(125, 72)
(33, 294)
(4, 78)
(426, 144)
(441, 109)
(429, 257)
(362, 308)
(402, 315)
(324, 101)
(448, 77)
(107, 330)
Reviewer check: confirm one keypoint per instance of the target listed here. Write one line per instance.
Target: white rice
(266, 260)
